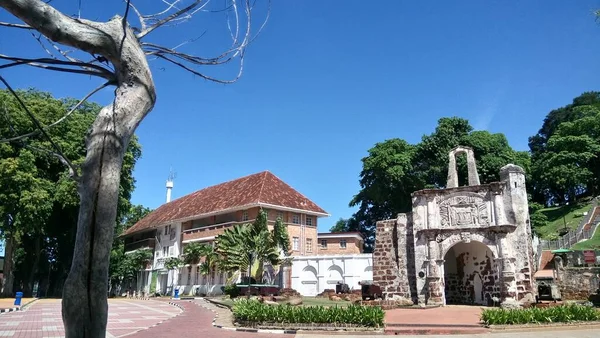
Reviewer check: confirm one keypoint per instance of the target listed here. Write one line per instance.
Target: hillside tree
(116, 51)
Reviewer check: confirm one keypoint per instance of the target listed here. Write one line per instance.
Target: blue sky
(326, 80)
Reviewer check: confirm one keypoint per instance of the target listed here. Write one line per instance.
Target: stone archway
(470, 274)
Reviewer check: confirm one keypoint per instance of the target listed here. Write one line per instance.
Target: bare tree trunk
(86, 286)
(9, 278)
(85, 292)
(36, 263)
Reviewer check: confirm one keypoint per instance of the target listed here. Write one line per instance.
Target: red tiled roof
(262, 188)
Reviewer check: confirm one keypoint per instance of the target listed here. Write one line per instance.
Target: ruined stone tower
(461, 245)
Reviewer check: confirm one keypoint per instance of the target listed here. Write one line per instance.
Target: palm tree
(193, 253)
(248, 247)
(134, 262)
(172, 264)
(211, 262)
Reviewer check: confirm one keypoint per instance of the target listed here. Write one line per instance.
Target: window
(171, 249)
(309, 245)
(308, 220)
(296, 219)
(295, 243)
(165, 250)
(189, 275)
(280, 215)
(197, 279)
(343, 243)
(244, 215)
(157, 254)
(323, 244)
(166, 230)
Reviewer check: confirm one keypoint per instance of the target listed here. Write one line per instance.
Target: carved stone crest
(465, 237)
(464, 211)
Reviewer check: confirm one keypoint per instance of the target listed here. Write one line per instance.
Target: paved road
(43, 318)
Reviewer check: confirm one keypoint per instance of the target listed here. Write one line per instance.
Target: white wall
(311, 275)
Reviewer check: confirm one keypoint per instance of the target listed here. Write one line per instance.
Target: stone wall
(578, 283)
(390, 260)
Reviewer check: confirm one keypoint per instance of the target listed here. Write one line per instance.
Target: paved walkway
(438, 320)
(8, 303)
(196, 321)
(43, 318)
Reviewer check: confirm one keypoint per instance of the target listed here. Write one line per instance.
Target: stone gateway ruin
(460, 245)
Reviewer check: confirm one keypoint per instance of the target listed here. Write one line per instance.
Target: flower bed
(253, 313)
(557, 314)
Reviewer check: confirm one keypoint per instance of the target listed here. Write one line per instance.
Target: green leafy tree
(193, 252)
(39, 202)
(344, 225)
(394, 169)
(570, 165)
(544, 152)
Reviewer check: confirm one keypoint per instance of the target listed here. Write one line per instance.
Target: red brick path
(439, 320)
(125, 316)
(195, 321)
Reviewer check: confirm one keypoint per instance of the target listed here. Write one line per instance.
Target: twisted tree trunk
(85, 306)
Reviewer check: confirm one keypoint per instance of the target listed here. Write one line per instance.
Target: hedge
(245, 310)
(556, 314)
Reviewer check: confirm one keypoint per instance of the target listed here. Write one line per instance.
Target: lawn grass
(592, 243)
(306, 301)
(573, 214)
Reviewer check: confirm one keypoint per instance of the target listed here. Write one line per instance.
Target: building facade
(460, 245)
(203, 215)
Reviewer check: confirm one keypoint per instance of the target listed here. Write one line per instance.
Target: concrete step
(433, 329)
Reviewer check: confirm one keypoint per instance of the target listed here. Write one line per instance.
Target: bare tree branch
(171, 17)
(36, 132)
(15, 25)
(40, 62)
(58, 153)
(85, 35)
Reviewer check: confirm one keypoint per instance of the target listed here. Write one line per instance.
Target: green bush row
(254, 311)
(557, 314)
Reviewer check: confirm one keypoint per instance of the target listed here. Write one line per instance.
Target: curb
(21, 308)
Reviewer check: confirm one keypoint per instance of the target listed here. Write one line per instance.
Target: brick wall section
(390, 264)
(578, 283)
(353, 246)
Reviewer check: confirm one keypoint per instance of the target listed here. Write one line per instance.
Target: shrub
(557, 314)
(253, 311)
(231, 290)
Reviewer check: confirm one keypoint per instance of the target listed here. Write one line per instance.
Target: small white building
(312, 275)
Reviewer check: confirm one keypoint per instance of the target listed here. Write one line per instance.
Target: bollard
(18, 297)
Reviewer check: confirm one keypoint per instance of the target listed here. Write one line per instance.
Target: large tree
(394, 169)
(562, 152)
(120, 53)
(569, 165)
(38, 201)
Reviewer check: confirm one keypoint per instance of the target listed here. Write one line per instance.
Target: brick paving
(43, 318)
(439, 320)
(196, 321)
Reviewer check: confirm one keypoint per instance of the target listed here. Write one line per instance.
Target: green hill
(557, 217)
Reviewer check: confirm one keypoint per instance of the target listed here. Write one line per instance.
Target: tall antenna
(170, 180)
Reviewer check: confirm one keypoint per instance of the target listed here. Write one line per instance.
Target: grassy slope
(573, 215)
(592, 243)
